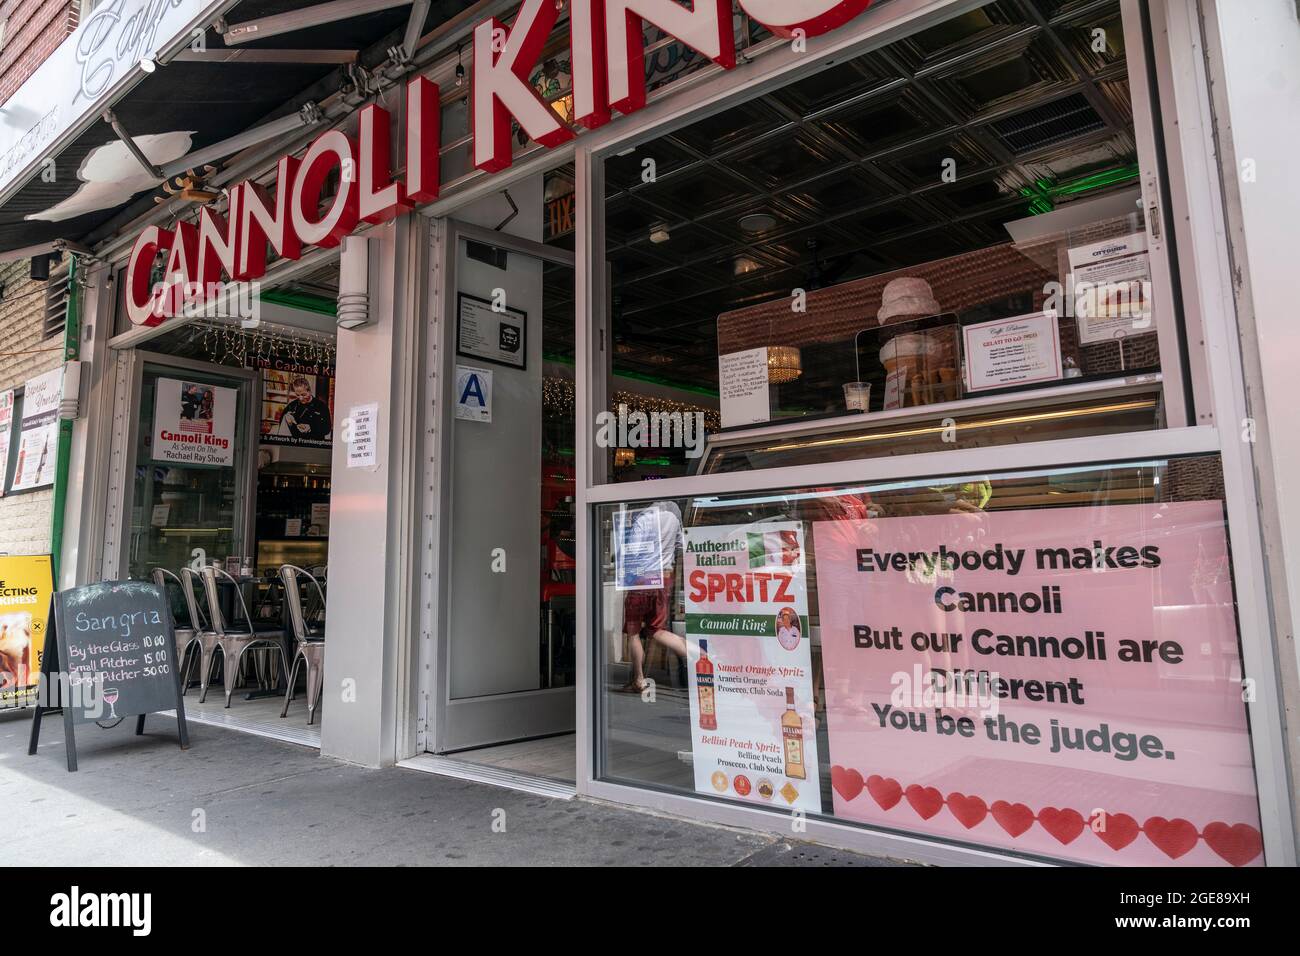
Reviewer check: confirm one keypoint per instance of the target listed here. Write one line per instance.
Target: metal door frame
(131, 363)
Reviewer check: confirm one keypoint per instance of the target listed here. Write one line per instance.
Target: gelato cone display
(921, 368)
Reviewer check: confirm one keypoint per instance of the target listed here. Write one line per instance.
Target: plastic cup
(857, 396)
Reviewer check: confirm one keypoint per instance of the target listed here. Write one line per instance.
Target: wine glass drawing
(110, 698)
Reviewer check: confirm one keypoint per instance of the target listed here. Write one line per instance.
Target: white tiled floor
(260, 716)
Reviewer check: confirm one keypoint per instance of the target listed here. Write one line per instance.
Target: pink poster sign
(1061, 682)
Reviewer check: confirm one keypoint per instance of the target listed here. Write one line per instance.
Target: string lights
(558, 398)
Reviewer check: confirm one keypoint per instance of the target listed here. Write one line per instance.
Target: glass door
(190, 483)
(506, 636)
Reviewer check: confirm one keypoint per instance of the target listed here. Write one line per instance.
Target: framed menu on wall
(1024, 350)
(491, 333)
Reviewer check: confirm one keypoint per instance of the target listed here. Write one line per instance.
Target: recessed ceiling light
(744, 265)
(757, 222)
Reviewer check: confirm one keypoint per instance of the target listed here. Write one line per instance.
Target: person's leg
(638, 662)
(637, 655)
(671, 641)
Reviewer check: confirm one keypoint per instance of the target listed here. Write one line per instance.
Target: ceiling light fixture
(745, 265)
(148, 64)
(757, 222)
(659, 233)
(784, 364)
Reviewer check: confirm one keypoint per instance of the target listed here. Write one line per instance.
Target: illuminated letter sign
(329, 150)
(140, 304)
(607, 56)
(423, 137)
(381, 198)
(262, 222)
(706, 28)
(502, 64)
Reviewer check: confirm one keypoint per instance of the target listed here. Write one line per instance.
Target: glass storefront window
(1045, 662)
(953, 216)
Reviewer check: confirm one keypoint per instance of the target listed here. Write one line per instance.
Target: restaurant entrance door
(505, 630)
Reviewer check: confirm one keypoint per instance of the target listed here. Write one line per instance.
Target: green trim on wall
(302, 300)
(63, 455)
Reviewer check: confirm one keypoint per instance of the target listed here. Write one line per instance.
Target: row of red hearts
(1238, 844)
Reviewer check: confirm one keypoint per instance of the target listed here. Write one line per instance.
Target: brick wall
(34, 29)
(24, 518)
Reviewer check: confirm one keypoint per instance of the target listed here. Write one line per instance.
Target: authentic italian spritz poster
(753, 735)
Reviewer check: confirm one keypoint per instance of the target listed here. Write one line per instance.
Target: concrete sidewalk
(235, 799)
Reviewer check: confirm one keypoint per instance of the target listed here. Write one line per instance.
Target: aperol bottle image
(704, 688)
(792, 736)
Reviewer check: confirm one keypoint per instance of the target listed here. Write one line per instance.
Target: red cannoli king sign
(608, 75)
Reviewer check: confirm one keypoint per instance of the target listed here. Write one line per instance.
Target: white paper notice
(320, 518)
(363, 436)
(38, 442)
(1018, 351)
(742, 386)
(1112, 288)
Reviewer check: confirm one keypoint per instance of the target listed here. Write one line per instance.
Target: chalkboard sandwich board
(109, 653)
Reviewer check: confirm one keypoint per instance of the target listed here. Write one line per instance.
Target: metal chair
(310, 637)
(235, 639)
(196, 600)
(188, 626)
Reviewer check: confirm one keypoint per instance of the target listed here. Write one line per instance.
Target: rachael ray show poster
(297, 405)
(26, 582)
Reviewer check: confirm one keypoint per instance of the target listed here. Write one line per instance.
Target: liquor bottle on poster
(792, 737)
(704, 688)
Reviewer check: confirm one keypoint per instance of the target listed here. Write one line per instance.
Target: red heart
(886, 791)
(1121, 830)
(926, 801)
(1174, 837)
(969, 811)
(1015, 818)
(1237, 844)
(1065, 825)
(847, 783)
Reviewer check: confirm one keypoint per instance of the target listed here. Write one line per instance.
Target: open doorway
(505, 672)
(228, 497)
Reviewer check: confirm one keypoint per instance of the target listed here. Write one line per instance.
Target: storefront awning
(67, 171)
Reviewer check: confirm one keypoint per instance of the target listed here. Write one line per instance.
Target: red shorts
(650, 609)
